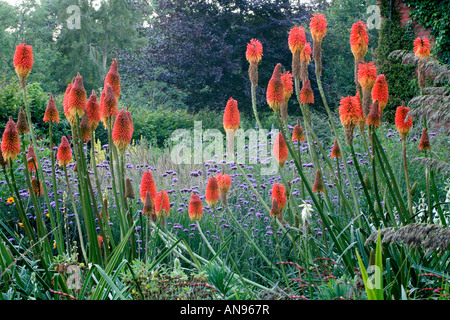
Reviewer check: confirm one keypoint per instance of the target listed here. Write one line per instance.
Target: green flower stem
(255, 111)
(405, 168)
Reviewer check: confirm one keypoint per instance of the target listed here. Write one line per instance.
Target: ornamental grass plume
(113, 78)
(23, 62)
(254, 55)
(195, 207)
(77, 100)
(51, 112)
(367, 75)
(280, 150)
(318, 27)
(212, 193)
(335, 151)
(10, 141)
(380, 92)
(305, 59)
(424, 143)
(162, 203)
(85, 127)
(288, 86)
(350, 114)
(122, 131)
(129, 191)
(422, 47)
(64, 154)
(22, 124)
(93, 110)
(279, 193)
(373, 118)
(318, 182)
(296, 42)
(403, 121)
(231, 121)
(147, 184)
(108, 105)
(298, 134)
(224, 182)
(306, 93)
(31, 159)
(275, 90)
(359, 42)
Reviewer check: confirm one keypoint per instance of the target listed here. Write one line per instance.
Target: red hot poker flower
(335, 151)
(31, 159)
(93, 110)
(224, 182)
(349, 112)
(64, 155)
(10, 141)
(298, 134)
(22, 124)
(51, 112)
(373, 118)
(113, 78)
(280, 150)
(288, 85)
(195, 207)
(122, 131)
(162, 202)
(297, 39)
(108, 105)
(76, 102)
(36, 186)
(306, 94)
(380, 92)
(279, 193)
(318, 26)
(275, 90)
(367, 75)
(85, 128)
(148, 184)
(422, 47)
(403, 120)
(231, 118)
(23, 61)
(212, 193)
(254, 51)
(359, 40)
(318, 182)
(424, 143)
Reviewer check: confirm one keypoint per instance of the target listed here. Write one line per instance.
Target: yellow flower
(10, 200)
(54, 244)
(21, 224)
(48, 215)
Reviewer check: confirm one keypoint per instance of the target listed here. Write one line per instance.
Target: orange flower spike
(148, 204)
(359, 109)
(275, 90)
(23, 62)
(113, 78)
(279, 193)
(77, 100)
(212, 193)
(424, 143)
(318, 26)
(335, 151)
(85, 127)
(254, 51)
(380, 92)
(305, 54)
(231, 118)
(298, 134)
(349, 112)
(51, 112)
(318, 182)
(403, 121)
(99, 240)
(148, 184)
(64, 155)
(37, 187)
(93, 110)
(288, 85)
(31, 159)
(306, 93)
(297, 39)
(373, 118)
(10, 141)
(22, 124)
(195, 207)
(162, 202)
(422, 47)
(280, 150)
(224, 182)
(367, 75)
(359, 40)
(122, 131)
(275, 210)
(108, 105)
